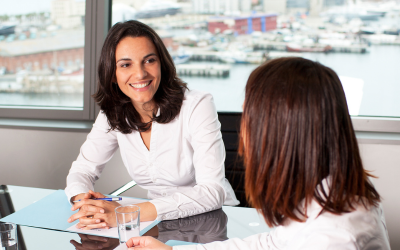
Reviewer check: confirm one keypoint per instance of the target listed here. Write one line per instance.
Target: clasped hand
(94, 213)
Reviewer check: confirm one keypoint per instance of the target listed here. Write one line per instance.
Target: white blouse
(184, 169)
(362, 229)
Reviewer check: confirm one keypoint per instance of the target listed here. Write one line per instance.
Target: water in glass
(127, 231)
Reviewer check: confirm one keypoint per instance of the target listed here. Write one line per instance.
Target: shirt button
(164, 194)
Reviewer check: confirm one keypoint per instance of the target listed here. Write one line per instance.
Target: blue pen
(105, 199)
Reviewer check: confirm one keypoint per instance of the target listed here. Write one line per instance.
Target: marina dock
(203, 70)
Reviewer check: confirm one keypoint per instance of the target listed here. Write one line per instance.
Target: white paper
(353, 89)
(113, 232)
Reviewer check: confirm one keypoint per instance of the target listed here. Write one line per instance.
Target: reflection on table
(217, 225)
(202, 228)
(95, 242)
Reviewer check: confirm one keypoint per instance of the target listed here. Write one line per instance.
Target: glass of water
(8, 234)
(128, 221)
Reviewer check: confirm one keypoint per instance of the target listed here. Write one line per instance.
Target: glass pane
(41, 54)
(217, 43)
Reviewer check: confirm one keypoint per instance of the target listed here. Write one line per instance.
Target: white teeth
(139, 86)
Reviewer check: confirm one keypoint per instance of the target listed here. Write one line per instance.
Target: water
(9, 245)
(62, 100)
(379, 69)
(127, 231)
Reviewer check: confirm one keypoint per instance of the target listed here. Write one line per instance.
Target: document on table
(53, 211)
(113, 232)
(173, 243)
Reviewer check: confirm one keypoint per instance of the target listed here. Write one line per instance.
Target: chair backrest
(234, 169)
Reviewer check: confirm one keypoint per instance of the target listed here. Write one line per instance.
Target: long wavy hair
(295, 132)
(118, 108)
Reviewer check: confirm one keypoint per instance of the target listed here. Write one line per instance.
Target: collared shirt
(184, 169)
(361, 229)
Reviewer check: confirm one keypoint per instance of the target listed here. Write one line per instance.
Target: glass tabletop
(218, 225)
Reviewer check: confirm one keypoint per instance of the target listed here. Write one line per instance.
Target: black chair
(234, 169)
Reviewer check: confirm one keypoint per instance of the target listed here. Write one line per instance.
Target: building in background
(218, 7)
(68, 13)
(62, 52)
(313, 6)
(278, 6)
(242, 24)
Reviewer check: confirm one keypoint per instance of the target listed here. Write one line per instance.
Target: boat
(380, 13)
(180, 59)
(157, 8)
(392, 31)
(122, 12)
(242, 57)
(350, 12)
(6, 30)
(295, 47)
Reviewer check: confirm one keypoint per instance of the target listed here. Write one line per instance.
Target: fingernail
(103, 225)
(97, 221)
(102, 211)
(69, 220)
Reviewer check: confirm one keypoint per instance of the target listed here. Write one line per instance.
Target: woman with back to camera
(303, 168)
(169, 136)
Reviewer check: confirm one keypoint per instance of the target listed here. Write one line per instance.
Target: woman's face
(138, 69)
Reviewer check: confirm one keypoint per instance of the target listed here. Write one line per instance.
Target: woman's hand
(94, 213)
(95, 242)
(81, 197)
(146, 243)
(101, 214)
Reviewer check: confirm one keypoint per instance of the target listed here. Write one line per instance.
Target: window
(48, 57)
(216, 44)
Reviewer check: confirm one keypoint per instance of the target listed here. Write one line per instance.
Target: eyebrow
(128, 59)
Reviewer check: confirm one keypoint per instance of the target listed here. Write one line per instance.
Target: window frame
(97, 23)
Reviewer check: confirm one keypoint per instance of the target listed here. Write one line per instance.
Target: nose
(139, 72)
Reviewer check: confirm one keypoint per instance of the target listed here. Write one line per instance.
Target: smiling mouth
(141, 85)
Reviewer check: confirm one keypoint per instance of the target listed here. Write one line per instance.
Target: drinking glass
(128, 221)
(8, 235)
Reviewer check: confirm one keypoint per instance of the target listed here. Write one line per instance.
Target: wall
(384, 162)
(37, 158)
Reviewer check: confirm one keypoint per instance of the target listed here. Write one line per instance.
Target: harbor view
(215, 45)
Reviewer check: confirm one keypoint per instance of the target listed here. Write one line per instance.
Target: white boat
(158, 8)
(242, 57)
(180, 59)
(350, 12)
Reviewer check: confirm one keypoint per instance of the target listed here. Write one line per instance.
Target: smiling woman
(169, 136)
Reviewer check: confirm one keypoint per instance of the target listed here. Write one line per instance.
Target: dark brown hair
(118, 108)
(296, 131)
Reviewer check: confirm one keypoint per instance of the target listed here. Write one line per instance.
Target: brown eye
(151, 60)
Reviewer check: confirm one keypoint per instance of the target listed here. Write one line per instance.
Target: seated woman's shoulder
(366, 225)
(194, 97)
(196, 94)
